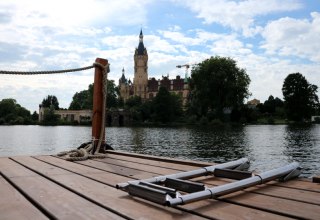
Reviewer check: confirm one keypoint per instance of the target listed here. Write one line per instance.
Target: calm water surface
(267, 146)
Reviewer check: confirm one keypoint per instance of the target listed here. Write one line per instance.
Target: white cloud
(294, 37)
(230, 46)
(72, 13)
(179, 37)
(238, 15)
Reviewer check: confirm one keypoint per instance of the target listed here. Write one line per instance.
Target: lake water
(267, 146)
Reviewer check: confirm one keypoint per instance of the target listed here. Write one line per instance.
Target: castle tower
(140, 80)
(123, 86)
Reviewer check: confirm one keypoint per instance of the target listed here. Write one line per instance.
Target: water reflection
(302, 145)
(265, 146)
(218, 145)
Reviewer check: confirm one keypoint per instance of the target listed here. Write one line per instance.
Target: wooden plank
(55, 200)
(164, 159)
(276, 205)
(138, 166)
(120, 170)
(13, 205)
(209, 208)
(89, 172)
(303, 185)
(155, 163)
(110, 197)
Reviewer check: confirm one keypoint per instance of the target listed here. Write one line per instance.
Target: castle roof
(123, 78)
(141, 47)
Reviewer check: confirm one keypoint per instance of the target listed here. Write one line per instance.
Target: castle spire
(141, 47)
(141, 36)
(123, 78)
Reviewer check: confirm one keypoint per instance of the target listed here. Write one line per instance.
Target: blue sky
(268, 38)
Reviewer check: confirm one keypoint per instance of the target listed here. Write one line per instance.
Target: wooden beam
(98, 107)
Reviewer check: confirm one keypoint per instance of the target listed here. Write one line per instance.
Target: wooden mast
(98, 107)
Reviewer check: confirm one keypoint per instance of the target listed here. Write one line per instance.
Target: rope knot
(105, 68)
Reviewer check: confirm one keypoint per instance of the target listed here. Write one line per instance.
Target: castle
(146, 88)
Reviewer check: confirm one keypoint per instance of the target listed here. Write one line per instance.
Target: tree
(167, 106)
(217, 83)
(50, 100)
(272, 104)
(112, 94)
(49, 118)
(300, 97)
(35, 116)
(84, 99)
(13, 113)
(133, 101)
(134, 104)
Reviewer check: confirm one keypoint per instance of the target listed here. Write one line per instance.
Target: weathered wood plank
(13, 205)
(151, 162)
(303, 185)
(110, 197)
(120, 170)
(56, 200)
(89, 172)
(164, 159)
(210, 208)
(139, 166)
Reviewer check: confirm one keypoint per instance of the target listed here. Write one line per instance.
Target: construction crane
(187, 66)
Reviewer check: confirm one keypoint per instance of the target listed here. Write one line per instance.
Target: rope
(80, 154)
(88, 152)
(47, 72)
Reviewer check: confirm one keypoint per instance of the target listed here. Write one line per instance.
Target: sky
(268, 38)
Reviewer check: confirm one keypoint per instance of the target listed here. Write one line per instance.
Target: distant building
(148, 88)
(253, 103)
(115, 117)
(69, 115)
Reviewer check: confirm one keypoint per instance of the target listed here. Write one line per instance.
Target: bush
(270, 120)
(216, 122)
(203, 120)
(192, 119)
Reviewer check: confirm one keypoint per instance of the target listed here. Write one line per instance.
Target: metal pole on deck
(98, 107)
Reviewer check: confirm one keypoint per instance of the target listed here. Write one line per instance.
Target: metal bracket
(293, 174)
(232, 174)
(184, 185)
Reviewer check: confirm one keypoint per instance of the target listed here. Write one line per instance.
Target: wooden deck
(42, 187)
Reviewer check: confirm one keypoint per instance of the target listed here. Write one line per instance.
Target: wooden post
(98, 107)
